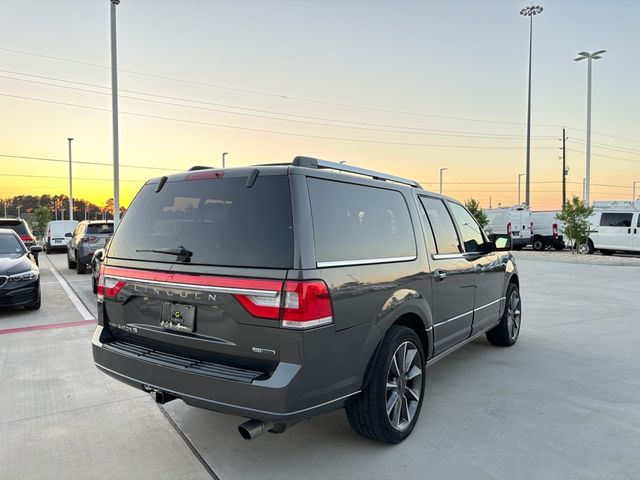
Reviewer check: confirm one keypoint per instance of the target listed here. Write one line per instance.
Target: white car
(58, 234)
(614, 227)
(513, 222)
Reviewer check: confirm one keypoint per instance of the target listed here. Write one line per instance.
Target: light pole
(114, 111)
(590, 57)
(520, 175)
(529, 12)
(634, 193)
(19, 207)
(223, 158)
(5, 208)
(70, 182)
(441, 170)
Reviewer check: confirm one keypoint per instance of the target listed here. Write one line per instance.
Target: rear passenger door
(635, 244)
(453, 277)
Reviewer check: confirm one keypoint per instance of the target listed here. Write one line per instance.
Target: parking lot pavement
(61, 418)
(563, 403)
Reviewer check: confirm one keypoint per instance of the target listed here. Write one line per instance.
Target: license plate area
(179, 317)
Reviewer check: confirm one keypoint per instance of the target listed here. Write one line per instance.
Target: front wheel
(507, 331)
(586, 247)
(388, 407)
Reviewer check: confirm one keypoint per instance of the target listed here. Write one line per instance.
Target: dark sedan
(19, 272)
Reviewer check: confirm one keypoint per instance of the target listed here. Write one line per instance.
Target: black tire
(606, 252)
(539, 244)
(35, 305)
(368, 414)
(507, 331)
(94, 285)
(559, 247)
(81, 268)
(70, 263)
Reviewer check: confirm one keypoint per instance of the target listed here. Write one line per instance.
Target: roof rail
(199, 167)
(310, 162)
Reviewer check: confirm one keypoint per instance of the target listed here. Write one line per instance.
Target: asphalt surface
(563, 403)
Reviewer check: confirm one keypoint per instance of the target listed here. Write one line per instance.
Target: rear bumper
(286, 396)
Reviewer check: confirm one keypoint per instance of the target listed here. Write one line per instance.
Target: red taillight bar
(509, 228)
(26, 238)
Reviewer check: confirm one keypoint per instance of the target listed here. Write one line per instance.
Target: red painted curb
(49, 326)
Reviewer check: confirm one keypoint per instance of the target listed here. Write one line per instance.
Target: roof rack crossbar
(310, 162)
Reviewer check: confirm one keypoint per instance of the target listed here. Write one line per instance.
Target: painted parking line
(84, 311)
(49, 326)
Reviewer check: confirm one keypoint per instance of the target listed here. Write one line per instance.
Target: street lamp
(634, 191)
(441, 170)
(70, 182)
(520, 175)
(19, 207)
(114, 112)
(530, 12)
(590, 57)
(223, 157)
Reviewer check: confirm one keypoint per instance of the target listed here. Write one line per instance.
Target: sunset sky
(407, 87)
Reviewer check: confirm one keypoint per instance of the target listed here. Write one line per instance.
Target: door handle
(440, 275)
(628, 230)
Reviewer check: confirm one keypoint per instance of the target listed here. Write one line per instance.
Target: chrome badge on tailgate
(178, 317)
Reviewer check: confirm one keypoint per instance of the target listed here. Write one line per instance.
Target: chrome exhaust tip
(251, 429)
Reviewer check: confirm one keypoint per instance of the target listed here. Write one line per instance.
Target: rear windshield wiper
(182, 253)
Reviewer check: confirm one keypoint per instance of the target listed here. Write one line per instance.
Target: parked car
(88, 236)
(547, 231)
(513, 222)
(96, 263)
(615, 226)
(21, 227)
(278, 293)
(19, 272)
(57, 234)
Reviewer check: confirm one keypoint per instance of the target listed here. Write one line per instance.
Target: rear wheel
(507, 331)
(559, 247)
(81, 268)
(389, 406)
(539, 244)
(70, 263)
(586, 247)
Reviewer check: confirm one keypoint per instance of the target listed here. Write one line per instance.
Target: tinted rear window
(220, 221)
(355, 222)
(100, 228)
(15, 225)
(616, 219)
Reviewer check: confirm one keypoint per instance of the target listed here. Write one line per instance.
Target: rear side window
(100, 228)
(616, 219)
(15, 225)
(219, 220)
(441, 225)
(359, 223)
(469, 228)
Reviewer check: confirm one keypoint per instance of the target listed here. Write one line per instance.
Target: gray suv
(88, 236)
(281, 292)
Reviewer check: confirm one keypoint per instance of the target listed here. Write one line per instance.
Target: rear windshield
(15, 225)
(100, 228)
(219, 220)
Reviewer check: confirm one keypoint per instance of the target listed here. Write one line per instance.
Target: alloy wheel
(513, 315)
(404, 385)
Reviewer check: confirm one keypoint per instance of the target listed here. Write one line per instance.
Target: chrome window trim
(202, 288)
(366, 261)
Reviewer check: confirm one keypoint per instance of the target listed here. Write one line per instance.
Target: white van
(615, 226)
(547, 231)
(514, 222)
(58, 234)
